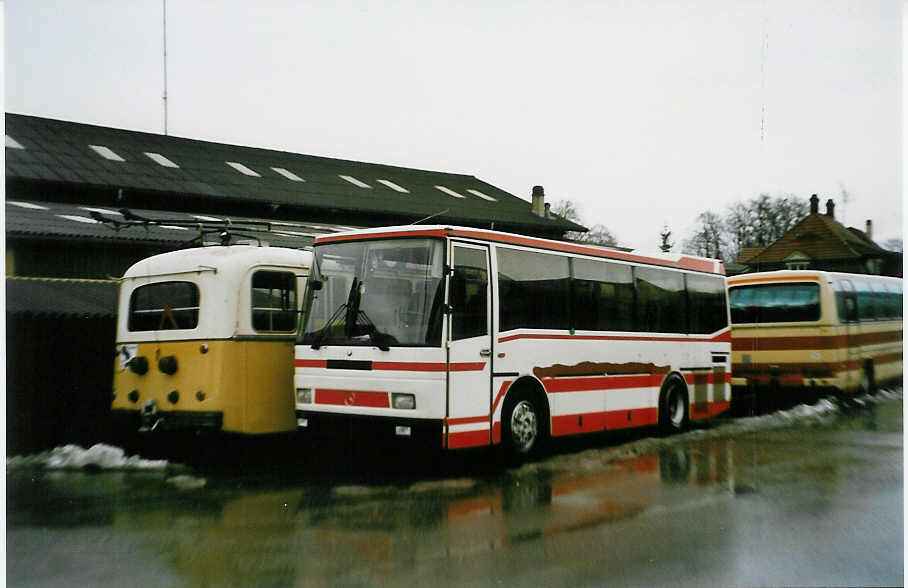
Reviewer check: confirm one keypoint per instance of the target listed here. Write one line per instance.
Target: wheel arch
(528, 385)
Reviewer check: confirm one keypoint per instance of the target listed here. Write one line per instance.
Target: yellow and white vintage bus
(814, 331)
(205, 340)
(465, 337)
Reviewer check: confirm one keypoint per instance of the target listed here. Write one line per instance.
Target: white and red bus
(468, 337)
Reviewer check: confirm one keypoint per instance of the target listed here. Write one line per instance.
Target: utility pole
(165, 66)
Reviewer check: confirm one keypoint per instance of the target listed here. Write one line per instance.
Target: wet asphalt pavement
(810, 496)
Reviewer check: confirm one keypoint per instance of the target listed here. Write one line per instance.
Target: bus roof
(219, 257)
(679, 261)
(799, 275)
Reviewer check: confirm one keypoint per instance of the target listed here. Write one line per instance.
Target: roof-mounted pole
(165, 66)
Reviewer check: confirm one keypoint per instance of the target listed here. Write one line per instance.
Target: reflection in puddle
(211, 530)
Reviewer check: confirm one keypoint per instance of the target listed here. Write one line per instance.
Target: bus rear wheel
(868, 380)
(673, 406)
(523, 427)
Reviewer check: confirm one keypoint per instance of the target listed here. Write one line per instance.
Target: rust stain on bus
(589, 368)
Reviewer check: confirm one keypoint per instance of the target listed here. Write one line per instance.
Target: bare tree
(567, 210)
(708, 239)
(597, 235)
(759, 222)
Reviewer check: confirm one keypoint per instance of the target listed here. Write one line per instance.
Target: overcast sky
(643, 112)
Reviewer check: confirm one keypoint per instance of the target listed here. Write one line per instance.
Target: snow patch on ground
(186, 482)
(73, 457)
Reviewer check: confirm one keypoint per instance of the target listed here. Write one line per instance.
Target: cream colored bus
(205, 340)
(814, 331)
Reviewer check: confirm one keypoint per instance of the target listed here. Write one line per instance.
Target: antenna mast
(165, 66)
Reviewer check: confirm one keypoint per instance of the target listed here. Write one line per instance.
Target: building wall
(46, 258)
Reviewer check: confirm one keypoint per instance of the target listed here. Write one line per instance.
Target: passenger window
(867, 310)
(534, 290)
(895, 299)
(164, 306)
(602, 296)
(469, 293)
(706, 304)
(274, 301)
(661, 305)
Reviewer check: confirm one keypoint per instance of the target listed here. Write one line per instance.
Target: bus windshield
(382, 293)
(775, 303)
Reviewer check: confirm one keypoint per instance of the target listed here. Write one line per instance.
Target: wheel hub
(524, 426)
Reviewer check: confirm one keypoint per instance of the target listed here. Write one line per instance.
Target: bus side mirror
(316, 284)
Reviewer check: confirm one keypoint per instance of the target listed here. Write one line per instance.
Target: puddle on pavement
(208, 527)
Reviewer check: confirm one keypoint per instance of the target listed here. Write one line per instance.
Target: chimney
(548, 210)
(814, 204)
(830, 208)
(538, 201)
(869, 231)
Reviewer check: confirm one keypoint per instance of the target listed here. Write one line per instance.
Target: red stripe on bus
(466, 439)
(684, 262)
(501, 392)
(706, 378)
(555, 385)
(380, 235)
(352, 398)
(814, 341)
(622, 419)
(404, 366)
(311, 363)
(723, 337)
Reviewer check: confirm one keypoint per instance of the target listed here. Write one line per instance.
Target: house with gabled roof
(821, 242)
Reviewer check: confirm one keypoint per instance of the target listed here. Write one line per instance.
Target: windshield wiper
(354, 293)
(378, 338)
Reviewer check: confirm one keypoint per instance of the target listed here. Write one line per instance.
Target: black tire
(673, 406)
(523, 427)
(868, 379)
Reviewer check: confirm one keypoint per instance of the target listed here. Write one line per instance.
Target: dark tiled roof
(56, 297)
(747, 253)
(29, 219)
(820, 237)
(59, 151)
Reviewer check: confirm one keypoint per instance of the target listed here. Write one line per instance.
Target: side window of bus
(661, 305)
(881, 300)
(602, 296)
(164, 306)
(706, 304)
(894, 297)
(866, 301)
(469, 293)
(533, 290)
(846, 301)
(273, 301)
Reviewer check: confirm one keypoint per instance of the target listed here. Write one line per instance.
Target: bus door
(847, 303)
(469, 394)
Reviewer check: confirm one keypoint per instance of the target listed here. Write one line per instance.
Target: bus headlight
(403, 401)
(304, 395)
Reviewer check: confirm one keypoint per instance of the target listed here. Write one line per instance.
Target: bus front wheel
(523, 426)
(673, 406)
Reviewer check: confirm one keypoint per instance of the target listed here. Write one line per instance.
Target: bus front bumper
(167, 420)
(367, 429)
